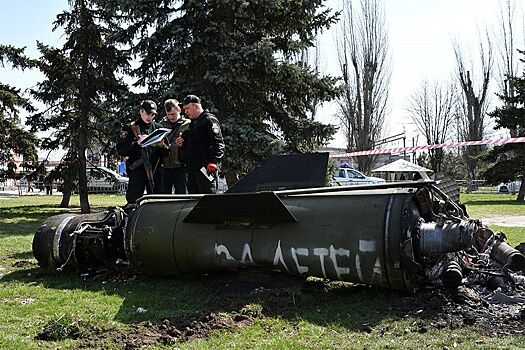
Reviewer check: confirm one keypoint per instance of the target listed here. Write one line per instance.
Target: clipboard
(154, 137)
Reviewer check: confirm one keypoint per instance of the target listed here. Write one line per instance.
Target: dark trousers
(198, 183)
(138, 182)
(174, 177)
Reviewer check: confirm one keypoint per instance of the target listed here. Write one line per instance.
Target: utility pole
(392, 139)
(414, 155)
(414, 151)
(404, 145)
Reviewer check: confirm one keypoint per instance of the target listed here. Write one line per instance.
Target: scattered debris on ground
(491, 312)
(499, 311)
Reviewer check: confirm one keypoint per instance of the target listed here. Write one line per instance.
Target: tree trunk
(83, 129)
(66, 195)
(521, 193)
(366, 163)
(231, 178)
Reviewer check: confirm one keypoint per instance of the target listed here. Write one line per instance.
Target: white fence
(480, 186)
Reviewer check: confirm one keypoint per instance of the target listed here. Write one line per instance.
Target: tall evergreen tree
(240, 56)
(81, 84)
(510, 158)
(14, 140)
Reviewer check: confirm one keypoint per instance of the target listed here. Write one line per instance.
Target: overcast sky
(421, 34)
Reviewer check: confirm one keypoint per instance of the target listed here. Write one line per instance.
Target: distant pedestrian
(49, 186)
(173, 169)
(201, 146)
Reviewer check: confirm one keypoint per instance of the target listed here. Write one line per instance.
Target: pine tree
(14, 139)
(510, 158)
(81, 84)
(240, 57)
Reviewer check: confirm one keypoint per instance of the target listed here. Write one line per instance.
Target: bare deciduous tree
(362, 48)
(474, 102)
(432, 109)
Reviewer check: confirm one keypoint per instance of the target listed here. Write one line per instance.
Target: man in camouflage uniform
(173, 170)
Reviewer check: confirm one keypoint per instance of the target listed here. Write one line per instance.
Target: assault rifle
(144, 153)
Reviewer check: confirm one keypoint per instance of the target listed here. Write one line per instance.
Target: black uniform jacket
(203, 142)
(128, 147)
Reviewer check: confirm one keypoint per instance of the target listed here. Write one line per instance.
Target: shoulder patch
(216, 129)
(123, 134)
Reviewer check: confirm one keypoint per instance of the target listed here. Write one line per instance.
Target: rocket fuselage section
(352, 236)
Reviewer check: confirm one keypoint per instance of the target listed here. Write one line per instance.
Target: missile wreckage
(391, 235)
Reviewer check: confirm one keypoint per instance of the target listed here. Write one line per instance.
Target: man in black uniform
(142, 162)
(173, 170)
(201, 146)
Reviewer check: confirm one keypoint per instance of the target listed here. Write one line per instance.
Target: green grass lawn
(486, 205)
(481, 206)
(296, 318)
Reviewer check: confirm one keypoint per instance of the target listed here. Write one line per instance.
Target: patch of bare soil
(169, 331)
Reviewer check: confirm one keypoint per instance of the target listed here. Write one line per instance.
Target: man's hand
(179, 141)
(211, 168)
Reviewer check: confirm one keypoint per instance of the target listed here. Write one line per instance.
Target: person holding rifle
(142, 162)
(201, 146)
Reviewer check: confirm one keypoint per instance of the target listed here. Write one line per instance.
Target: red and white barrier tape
(439, 145)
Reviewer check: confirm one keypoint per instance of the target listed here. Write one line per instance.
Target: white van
(104, 180)
(349, 176)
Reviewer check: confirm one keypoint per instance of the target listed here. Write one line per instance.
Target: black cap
(149, 106)
(191, 99)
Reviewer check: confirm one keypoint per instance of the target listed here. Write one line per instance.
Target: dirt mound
(170, 331)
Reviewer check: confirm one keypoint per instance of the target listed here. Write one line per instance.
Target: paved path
(505, 220)
(15, 194)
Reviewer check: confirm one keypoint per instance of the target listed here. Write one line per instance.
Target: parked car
(104, 180)
(509, 187)
(350, 176)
